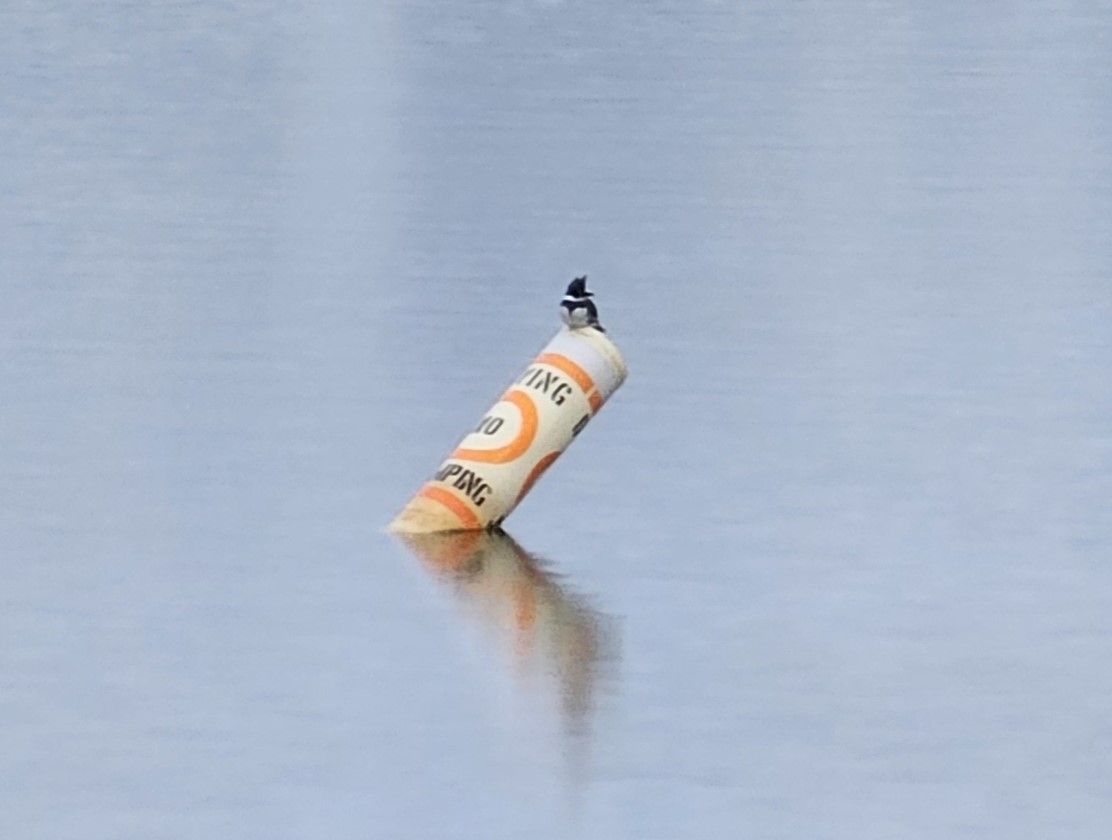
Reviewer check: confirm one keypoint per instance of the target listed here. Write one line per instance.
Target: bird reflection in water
(547, 630)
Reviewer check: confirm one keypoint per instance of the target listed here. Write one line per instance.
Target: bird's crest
(578, 287)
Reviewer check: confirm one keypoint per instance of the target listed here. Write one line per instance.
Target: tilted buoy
(496, 465)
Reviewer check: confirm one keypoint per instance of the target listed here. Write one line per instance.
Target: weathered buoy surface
(535, 420)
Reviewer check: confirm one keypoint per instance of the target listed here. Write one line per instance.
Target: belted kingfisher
(577, 309)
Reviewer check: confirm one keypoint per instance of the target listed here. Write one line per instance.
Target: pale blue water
(834, 561)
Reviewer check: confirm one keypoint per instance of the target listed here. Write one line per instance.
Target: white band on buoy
(496, 465)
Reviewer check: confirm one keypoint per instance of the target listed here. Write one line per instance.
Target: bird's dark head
(578, 287)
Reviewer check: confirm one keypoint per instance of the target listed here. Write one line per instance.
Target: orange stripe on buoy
(581, 377)
(516, 447)
(466, 516)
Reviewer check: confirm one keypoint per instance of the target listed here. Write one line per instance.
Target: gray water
(834, 563)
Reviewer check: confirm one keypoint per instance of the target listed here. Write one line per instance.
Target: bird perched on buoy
(577, 309)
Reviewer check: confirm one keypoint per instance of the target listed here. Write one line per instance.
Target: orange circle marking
(541, 467)
(516, 447)
(467, 518)
(581, 377)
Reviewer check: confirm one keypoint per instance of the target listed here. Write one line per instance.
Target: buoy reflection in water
(552, 636)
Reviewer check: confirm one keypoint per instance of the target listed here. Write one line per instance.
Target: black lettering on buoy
(582, 424)
(471, 483)
(546, 382)
(489, 425)
(447, 472)
(479, 496)
(529, 377)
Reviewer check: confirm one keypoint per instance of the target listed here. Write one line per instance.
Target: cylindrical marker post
(520, 437)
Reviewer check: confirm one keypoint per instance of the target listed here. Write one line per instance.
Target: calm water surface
(833, 563)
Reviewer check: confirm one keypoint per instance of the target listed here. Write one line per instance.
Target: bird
(577, 309)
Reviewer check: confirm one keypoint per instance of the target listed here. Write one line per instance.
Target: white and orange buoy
(533, 422)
